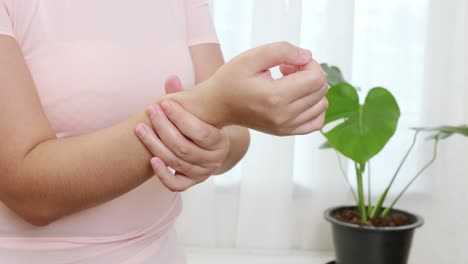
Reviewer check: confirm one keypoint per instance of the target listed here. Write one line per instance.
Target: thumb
(173, 85)
(270, 55)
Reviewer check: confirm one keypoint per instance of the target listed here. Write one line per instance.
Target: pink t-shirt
(95, 63)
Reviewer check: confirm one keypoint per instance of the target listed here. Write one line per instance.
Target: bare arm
(207, 58)
(43, 178)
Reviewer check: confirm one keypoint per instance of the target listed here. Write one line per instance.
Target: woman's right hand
(242, 92)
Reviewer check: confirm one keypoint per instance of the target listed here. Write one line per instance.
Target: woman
(81, 88)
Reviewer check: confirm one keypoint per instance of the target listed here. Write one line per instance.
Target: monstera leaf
(334, 75)
(325, 145)
(362, 130)
(444, 132)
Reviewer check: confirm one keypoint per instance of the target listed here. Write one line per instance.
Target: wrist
(206, 102)
(239, 141)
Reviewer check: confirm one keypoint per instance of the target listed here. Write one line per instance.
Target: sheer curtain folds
(275, 198)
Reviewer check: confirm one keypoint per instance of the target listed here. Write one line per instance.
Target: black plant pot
(356, 244)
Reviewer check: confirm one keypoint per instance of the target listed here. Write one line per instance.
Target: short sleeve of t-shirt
(6, 27)
(200, 28)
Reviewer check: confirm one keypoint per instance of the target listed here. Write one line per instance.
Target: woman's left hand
(193, 148)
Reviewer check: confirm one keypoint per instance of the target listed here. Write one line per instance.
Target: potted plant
(370, 233)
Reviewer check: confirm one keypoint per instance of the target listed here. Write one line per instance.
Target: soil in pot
(352, 216)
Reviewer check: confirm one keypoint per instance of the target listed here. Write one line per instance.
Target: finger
(266, 74)
(270, 55)
(287, 69)
(309, 79)
(157, 148)
(204, 135)
(173, 138)
(174, 182)
(173, 85)
(309, 115)
(319, 93)
(309, 127)
(303, 104)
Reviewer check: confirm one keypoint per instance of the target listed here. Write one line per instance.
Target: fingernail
(166, 106)
(304, 56)
(141, 130)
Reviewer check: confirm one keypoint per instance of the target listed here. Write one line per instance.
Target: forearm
(62, 176)
(59, 177)
(43, 178)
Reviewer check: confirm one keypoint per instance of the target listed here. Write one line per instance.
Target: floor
(233, 256)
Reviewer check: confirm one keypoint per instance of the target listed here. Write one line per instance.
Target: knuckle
(280, 49)
(325, 103)
(278, 120)
(321, 106)
(324, 89)
(318, 81)
(191, 171)
(177, 164)
(287, 131)
(283, 46)
(216, 164)
(203, 135)
(280, 132)
(273, 100)
(322, 79)
(284, 43)
(183, 151)
(274, 121)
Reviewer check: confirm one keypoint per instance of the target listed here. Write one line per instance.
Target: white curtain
(275, 198)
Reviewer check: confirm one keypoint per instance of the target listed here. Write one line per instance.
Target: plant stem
(346, 176)
(361, 201)
(381, 200)
(434, 157)
(369, 192)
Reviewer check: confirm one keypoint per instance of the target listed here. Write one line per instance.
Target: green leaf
(443, 132)
(364, 129)
(440, 136)
(334, 75)
(326, 145)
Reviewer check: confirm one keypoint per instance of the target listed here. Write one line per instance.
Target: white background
(274, 199)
